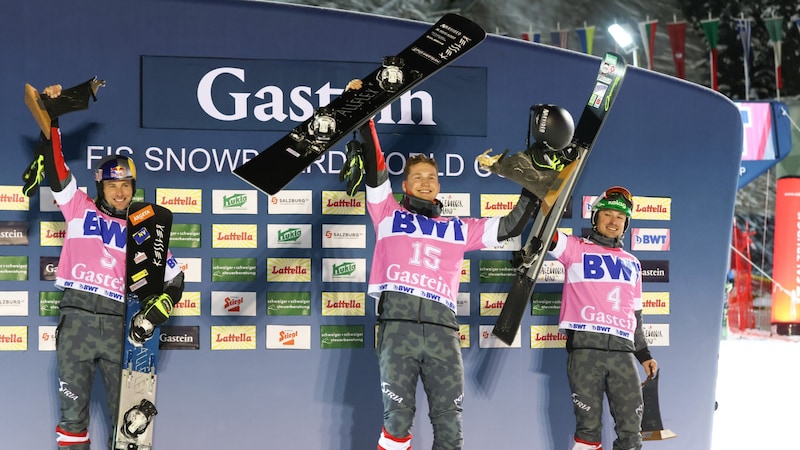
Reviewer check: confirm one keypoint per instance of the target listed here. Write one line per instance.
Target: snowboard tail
(148, 231)
(446, 41)
(552, 204)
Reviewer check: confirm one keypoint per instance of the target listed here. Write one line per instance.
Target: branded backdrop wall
(272, 346)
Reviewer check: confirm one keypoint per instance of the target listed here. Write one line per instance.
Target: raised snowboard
(531, 256)
(149, 227)
(447, 40)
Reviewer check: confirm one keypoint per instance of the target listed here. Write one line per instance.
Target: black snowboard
(149, 229)
(447, 40)
(606, 86)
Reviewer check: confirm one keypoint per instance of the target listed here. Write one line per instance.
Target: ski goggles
(619, 193)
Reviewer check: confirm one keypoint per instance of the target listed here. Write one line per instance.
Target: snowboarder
(414, 277)
(601, 315)
(91, 272)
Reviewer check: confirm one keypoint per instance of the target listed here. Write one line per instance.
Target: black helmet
(551, 126)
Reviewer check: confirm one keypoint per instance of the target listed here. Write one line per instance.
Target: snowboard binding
(138, 418)
(391, 78)
(319, 132)
(141, 330)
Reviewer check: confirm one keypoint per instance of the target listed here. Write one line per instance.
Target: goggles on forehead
(619, 192)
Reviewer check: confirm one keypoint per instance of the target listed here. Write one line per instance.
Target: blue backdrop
(673, 143)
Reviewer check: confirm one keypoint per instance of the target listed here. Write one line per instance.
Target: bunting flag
(744, 25)
(775, 29)
(559, 38)
(647, 30)
(711, 30)
(532, 37)
(677, 41)
(586, 38)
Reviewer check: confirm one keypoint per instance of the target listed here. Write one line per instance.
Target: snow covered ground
(758, 392)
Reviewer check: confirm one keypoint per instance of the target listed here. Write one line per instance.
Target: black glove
(157, 308)
(353, 170)
(34, 174)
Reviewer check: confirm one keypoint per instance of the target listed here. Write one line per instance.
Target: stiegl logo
(272, 103)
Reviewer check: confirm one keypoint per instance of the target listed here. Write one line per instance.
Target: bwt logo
(657, 239)
(271, 103)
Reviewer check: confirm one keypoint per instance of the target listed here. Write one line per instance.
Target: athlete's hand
(354, 84)
(52, 91)
(650, 367)
(157, 308)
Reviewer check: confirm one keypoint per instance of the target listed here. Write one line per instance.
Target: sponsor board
(48, 265)
(187, 201)
(463, 335)
(656, 334)
(509, 245)
(552, 271)
(47, 203)
(185, 235)
(226, 303)
(344, 270)
(52, 234)
(13, 268)
(47, 338)
(290, 202)
(179, 338)
(455, 204)
(339, 203)
(488, 340)
(492, 303)
(655, 271)
(289, 235)
(466, 272)
(14, 233)
(497, 205)
(243, 201)
(289, 270)
(344, 236)
(289, 337)
(208, 93)
(462, 304)
(238, 337)
(189, 305)
(49, 302)
(13, 303)
(233, 269)
(343, 303)
(496, 271)
(547, 336)
(341, 336)
(655, 303)
(545, 303)
(192, 269)
(650, 239)
(13, 338)
(234, 235)
(11, 199)
(288, 303)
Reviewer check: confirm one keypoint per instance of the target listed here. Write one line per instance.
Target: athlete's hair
(418, 159)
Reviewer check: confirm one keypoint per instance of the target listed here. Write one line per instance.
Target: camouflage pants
(408, 351)
(593, 373)
(86, 340)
